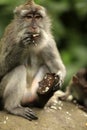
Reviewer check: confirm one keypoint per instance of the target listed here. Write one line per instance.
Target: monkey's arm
(53, 60)
(14, 87)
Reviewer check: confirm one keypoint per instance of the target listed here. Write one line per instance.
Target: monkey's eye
(29, 16)
(38, 16)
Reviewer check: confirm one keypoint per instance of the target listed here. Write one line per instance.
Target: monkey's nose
(33, 30)
(33, 27)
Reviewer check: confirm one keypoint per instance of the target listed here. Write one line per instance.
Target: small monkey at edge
(27, 52)
(77, 89)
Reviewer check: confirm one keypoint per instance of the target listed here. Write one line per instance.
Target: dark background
(69, 19)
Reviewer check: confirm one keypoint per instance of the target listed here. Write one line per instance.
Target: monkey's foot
(82, 108)
(63, 97)
(48, 83)
(25, 112)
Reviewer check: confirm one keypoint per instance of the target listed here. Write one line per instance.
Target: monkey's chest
(33, 65)
(34, 62)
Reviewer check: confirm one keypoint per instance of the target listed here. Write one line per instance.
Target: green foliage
(69, 19)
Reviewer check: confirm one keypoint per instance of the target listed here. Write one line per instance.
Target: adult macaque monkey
(27, 52)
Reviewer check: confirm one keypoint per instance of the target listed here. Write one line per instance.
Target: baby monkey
(77, 89)
(27, 53)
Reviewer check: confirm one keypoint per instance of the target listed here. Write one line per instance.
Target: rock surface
(63, 116)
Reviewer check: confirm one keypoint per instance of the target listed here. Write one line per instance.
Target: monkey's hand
(58, 84)
(60, 81)
(26, 39)
(29, 38)
(46, 88)
(48, 83)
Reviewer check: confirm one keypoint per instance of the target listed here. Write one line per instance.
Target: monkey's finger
(30, 114)
(57, 86)
(27, 41)
(26, 35)
(27, 117)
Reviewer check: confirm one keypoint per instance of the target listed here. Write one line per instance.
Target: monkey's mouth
(31, 38)
(34, 38)
(35, 35)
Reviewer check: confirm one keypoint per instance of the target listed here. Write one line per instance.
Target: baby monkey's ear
(75, 79)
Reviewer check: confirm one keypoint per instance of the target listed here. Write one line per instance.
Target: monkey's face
(34, 22)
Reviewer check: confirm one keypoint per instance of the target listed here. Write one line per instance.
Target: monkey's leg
(36, 99)
(15, 87)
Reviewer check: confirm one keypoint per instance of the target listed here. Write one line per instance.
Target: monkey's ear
(16, 10)
(75, 79)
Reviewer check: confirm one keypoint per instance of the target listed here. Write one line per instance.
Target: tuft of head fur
(30, 2)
